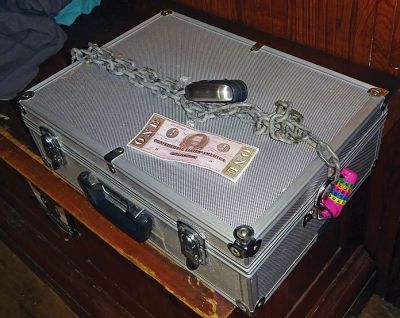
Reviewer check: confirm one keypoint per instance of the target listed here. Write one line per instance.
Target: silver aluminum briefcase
(83, 117)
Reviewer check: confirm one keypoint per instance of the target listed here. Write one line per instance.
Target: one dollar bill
(169, 140)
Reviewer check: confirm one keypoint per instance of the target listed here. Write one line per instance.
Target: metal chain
(284, 124)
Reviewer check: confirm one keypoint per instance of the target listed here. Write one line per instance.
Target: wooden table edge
(188, 288)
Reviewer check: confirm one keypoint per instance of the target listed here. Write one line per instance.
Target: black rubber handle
(132, 220)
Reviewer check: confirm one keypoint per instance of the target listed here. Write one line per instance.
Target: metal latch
(192, 246)
(109, 157)
(52, 149)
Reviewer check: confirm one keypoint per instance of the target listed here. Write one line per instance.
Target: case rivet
(166, 12)
(260, 302)
(245, 244)
(377, 91)
(242, 307)
(26, 95)
(243, 232)
(234, 251)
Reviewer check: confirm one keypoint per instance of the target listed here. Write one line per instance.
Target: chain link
(284, 124)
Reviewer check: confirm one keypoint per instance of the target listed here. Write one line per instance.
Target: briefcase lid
(90, 104)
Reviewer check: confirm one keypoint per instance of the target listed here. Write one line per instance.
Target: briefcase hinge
(245, 244)
(192, 246)
(256, 47)
(52, 149)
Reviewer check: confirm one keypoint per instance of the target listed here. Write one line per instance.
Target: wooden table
(104, 273)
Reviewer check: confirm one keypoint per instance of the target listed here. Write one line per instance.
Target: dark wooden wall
(366, 32)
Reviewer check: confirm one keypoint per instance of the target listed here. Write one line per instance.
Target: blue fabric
(74, 9)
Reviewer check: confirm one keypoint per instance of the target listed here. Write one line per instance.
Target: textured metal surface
(288, 251)
(286, 255)
(355, 158)
(283, 259)
(110, 111)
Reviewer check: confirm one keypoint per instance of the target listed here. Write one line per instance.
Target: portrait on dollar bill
(194, 141)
